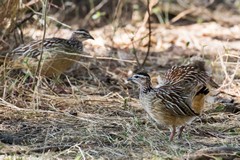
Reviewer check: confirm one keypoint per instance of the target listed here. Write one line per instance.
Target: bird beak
(130, 79)
(90, 37)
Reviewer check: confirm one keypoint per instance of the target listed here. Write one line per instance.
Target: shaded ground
(98, 115)
(107, 127)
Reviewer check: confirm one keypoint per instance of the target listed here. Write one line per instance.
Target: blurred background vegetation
(17, 15)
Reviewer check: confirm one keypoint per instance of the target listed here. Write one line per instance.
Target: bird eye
(136, 76)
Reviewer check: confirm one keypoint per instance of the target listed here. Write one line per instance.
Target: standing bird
(58, 54)
(178, 101)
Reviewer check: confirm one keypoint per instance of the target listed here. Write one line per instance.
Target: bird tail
(212, 83)
(204, 91)
(200, 64)
(198, 99)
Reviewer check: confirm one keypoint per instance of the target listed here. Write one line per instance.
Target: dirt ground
(92, 112)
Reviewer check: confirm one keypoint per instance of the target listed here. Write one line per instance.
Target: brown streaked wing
(175, 101)
(27, 50)
(184, 73)
(33, 49)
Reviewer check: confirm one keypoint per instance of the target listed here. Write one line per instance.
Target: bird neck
(146, 88)
(73, 38)
(75, 44)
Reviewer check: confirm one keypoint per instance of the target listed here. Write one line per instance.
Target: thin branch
(182, 14)
(118, 12)
(39, 67)
(44, 33)
(135, 54)
(149, 34)
(51, 18)
(27, 18)
(85, 55)
(92, 11)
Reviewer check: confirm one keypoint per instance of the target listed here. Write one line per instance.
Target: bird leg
(180, 132)
(173, 132)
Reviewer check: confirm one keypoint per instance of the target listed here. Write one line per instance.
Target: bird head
(81, 35)
(142, 79)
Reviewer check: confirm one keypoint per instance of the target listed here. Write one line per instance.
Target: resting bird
(58, 54)
(179, 100)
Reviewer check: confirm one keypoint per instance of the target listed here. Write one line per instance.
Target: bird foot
(172, 134)
(180, 132)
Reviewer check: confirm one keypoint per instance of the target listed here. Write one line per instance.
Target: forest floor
(98, 114)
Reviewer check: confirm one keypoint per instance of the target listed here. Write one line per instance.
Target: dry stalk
(149, 34)
(229, 81)
(37, 81)
(92, 11)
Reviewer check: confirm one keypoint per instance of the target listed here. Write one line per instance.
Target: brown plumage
(196, 70)
(58, 54)
(178, 100)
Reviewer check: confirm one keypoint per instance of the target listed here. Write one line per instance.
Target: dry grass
(8, 11)
(95, 113)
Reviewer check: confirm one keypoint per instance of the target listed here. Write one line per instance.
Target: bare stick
(27, 18)
(38, 72)
(44, 33)
(135, 54)
(182, 14)
(92, 11)
(149, 34)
